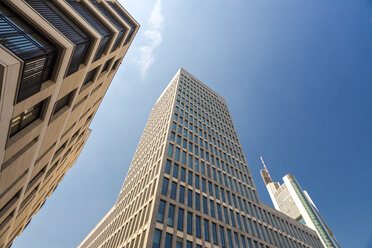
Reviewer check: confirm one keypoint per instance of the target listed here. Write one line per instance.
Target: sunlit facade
(189, 184)
(57, 59)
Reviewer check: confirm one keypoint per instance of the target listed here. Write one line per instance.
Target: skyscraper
(189, 184)
(290, 199)
(57, 59)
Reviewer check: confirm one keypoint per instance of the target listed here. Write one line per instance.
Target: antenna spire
(265, 173)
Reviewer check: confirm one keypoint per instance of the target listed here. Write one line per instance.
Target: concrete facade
(290, 199)
(189, 184)
(53, 76)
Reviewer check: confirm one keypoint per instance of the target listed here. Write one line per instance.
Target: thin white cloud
(153, 38)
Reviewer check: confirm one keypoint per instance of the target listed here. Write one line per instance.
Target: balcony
(126, 18)
(68, 28)
(122, 29)
(96, 24)
(36, 53)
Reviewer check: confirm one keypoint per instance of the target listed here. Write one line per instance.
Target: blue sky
(296, 76)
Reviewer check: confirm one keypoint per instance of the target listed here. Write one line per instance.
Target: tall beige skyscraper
(290, 199)
(189, 184)
(57, 59)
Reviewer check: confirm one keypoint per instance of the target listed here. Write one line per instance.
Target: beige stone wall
(35, 160)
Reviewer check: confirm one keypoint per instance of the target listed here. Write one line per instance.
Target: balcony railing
(122, 29)
(126, 19)
(67, 27)
(36, 53)
(97, 25)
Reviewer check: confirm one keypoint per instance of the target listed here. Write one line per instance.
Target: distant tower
(290, 199)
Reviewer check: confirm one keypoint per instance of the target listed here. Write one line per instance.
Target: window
(214, 232)
(181, 198)
(188, 244)
(173, 190)
(25, 118)
(157, 237)
(222, 237)
(165, 186)
(177, 155)
(206, 230)
(189, 223)
(168, 240)
(189, 178)
(168, 166)
(170, 215)
(189, 197)
(90, 76)
(229, 238)
(205, 205)
(64, 101)
(236, 237)
(116, 64)
(197, 182)
(212, 208)
(180, 219)
(160, 216)
(183, 174)
(197, 226)
(106, 65)
(197, 201)
(175, 170)
(170, 150)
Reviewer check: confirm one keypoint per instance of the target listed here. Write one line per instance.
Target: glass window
(219, 214)
(180, 219)
(184, 157)
(181, 197)
(197, 201)
(197, 182)
(174, 190)
(61, 103)
(188, 244)
(170, 150)
(214, 232)
(175, 170)
(226, 215)
(190, 161)
(243, 241)
(164, 189)
(189, 223)
(206, 230)
(189, 178)
(160, 216)
(25, 118)
(157, 237)
(210, 188)
(236, 237)
(222, 237)
(204, 186)
(183, 174)
(178, 140)
(168, 240)
(212, 208)
(229, 238)
(189, 197)
(172, 136)
(177, 155)
(167, 166)
(170, 215)
(197, 226)
(205, 205)
(178, 244)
